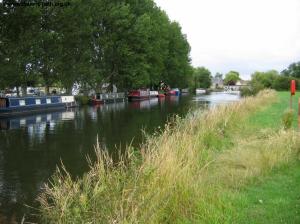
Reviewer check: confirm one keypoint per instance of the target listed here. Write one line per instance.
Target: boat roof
(27, 97)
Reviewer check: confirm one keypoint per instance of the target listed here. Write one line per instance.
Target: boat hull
(138, 98)
(200, 91)
(7, 112)
(96, 102)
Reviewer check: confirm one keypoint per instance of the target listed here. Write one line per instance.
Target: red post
(293, 91)
(293, 87)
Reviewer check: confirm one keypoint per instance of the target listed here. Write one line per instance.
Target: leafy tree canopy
(293, 70)
(219, 75)
(265, 78)
(128, 43)
(202, 77)
(231, 78)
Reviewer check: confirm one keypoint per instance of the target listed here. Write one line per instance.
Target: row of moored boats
(19, 105)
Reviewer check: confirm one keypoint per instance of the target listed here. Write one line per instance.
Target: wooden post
(299, 114)
(293, 92)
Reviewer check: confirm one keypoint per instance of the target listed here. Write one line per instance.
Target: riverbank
(188, 173)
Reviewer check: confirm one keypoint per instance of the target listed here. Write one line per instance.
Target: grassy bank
(275, 199)
(189, 173)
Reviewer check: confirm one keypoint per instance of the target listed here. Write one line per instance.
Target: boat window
(22, 102)
(48, 100)
(37, 101)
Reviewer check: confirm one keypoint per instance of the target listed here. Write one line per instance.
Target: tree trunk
(69, 90)
(47, 89)
(24, 90)
(18, 90)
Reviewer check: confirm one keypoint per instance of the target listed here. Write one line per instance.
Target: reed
(180, 175)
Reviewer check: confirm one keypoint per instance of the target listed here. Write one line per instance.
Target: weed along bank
(185, 173)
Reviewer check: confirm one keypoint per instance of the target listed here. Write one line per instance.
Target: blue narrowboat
(18, 105)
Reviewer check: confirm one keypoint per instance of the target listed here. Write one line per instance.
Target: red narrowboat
(137, 95)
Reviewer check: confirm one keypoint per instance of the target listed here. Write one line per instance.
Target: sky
(240, 35)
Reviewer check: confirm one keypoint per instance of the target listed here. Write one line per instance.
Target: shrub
(246, 91)
(82, 100)
(287, 119)
(254, 88)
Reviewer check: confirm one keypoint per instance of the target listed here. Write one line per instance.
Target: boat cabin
(11, 105)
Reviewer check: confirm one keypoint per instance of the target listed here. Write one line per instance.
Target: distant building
(217, 83)
(237, 87)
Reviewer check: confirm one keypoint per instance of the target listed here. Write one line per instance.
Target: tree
(265, 78)
(293, 70)
(219, 76)
(231, 78)
(202, 78)
(281, 82)
(129, 43)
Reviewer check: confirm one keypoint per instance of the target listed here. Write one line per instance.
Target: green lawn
(270, 117)
(275, 198)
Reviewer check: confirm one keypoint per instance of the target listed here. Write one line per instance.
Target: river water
(32, 147)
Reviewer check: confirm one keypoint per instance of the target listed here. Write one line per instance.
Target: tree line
(273, 79)
(202, 78)
(127, 43)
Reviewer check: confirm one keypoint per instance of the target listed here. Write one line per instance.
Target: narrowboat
(173, 92)
(96, 100)
(18, 105)
(153, 94)
(102, 98)
(185, 91)
(137, 95)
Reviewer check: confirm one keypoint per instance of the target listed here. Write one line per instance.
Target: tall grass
(177, 176)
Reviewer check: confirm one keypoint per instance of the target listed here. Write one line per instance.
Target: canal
(31, 147)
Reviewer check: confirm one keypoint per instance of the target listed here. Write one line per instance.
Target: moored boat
(102, 98)
(153, 94)
(173, 92)
(17, 105)
(200, 91)
(96, 100)
(185, 91)
(137, 95)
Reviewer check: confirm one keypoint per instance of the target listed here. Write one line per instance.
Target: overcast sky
(241, 35)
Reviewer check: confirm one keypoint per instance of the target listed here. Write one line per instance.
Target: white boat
(200, 91)
(153, 93)
(185, 91)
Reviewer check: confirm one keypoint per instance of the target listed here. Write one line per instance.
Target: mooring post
(293, 92)
(299, 114)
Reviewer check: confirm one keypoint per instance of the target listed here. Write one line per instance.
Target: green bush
(82, 100)
(246, 91)
(254, 88)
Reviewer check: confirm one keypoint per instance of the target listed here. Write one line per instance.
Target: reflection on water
(32, 146)
(216, 98)
(145, 104)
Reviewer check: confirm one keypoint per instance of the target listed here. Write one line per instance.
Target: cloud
(245, 35)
